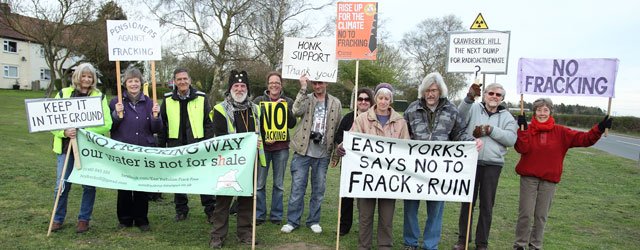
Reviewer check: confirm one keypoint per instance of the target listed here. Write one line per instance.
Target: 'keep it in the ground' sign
(488, 50)
(57, 114)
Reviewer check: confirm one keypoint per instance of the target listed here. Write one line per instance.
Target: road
(626, 147)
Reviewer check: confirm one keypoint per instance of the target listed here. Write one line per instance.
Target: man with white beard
(236, 114)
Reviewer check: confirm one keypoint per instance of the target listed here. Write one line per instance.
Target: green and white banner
(219, 166)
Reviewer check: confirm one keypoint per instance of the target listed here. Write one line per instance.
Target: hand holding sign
(70, 133)
(474, 91)
(304, 80)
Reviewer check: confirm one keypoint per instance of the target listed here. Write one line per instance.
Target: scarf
(537, 126)
(230, 106)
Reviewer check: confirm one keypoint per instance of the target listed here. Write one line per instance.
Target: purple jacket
(137, 125)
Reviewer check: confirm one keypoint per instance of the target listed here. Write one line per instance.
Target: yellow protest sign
(479, 23)
(274, 120)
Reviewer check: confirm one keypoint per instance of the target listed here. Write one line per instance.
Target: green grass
(595, 206)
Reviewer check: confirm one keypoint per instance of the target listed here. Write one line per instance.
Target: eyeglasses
(364, 99)
(275, 83)
(494, 93)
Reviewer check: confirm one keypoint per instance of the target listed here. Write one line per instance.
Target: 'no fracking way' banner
(218, 166)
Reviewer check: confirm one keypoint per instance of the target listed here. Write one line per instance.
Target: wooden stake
(355, 100)
(76, 155)
(521, 109)
(606, 130)
(60, 187)
(153, 86)
(339, 215)
(119, 82)
(466, 239)
(255, 199)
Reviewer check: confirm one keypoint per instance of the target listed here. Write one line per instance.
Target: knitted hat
(238, 77)
(384, 85)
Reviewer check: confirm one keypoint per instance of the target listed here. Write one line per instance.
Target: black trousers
(133, 207)
(346, 215)
(182, 203)
(485, 189)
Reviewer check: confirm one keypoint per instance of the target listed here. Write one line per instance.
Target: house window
(41, 51)
(10, 46)
(45, 74)
(10, 71)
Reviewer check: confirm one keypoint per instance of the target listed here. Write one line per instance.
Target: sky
(539, 29)
(544, 29)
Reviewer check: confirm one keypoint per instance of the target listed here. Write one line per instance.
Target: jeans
(88, 193)
(278, 160)
(432, 228)
(299, 177)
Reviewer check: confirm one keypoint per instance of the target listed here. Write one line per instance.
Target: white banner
(380, 167)
(315, 57)
(134, 40)
(56, 114)
(488, 50)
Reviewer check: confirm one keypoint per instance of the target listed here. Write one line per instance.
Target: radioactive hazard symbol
(479, 23)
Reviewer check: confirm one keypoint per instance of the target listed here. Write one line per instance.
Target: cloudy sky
(545, 29)
(539, 29)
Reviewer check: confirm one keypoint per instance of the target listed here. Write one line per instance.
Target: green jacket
(69, 92)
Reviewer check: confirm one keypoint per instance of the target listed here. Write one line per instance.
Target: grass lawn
(595, 206)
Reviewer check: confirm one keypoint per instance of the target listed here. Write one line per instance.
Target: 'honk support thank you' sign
(314, 57)
(218, 166)
(379, 167)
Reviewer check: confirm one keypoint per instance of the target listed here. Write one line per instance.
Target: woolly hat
(238, 77)
(384, 85)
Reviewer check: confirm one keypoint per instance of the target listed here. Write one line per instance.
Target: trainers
(287, 228)
(181, 217)
(56, 226)
(247, 241)
(216, 242)
(410, 247)
(82, 226)
(316, 228)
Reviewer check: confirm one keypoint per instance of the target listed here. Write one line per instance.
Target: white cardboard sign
(57, 114)
(316, 57)
(134, 40)
(487, 49)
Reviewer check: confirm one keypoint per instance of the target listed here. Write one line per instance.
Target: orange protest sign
(357, 31)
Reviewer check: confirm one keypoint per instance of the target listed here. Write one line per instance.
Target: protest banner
(568, 77)
(274, 120)
(223, 165)
(315, 57)
(488, 50)
(133, 40)
(357, 31)
(389, 168)
(58, 114)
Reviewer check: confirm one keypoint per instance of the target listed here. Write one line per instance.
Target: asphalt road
(626, 147)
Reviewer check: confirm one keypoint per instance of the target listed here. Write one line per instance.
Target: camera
(316, 137)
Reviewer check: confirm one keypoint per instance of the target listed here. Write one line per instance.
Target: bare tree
(273, 20)
(427, 46)
(56, 26)
(214, 23)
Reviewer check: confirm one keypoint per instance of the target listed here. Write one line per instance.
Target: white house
(22, 60)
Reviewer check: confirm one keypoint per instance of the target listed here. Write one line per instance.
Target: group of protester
(186, 117)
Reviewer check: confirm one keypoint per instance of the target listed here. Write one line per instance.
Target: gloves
(522, 121)
(482, 130)
(474, 91)
(605, 123)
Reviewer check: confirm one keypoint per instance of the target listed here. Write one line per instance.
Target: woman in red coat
(542, 147)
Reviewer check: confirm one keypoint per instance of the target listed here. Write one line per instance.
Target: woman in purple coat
(137, 127)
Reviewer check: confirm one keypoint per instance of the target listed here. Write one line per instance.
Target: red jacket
(542, 153)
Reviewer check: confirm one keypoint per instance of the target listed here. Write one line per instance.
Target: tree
(427, 46)
(56, 26)
(273, 20)
(95, 48)
(213, 23)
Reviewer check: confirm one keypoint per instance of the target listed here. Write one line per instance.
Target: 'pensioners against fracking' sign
(218, 166)
(380, 167)
(134, 40)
